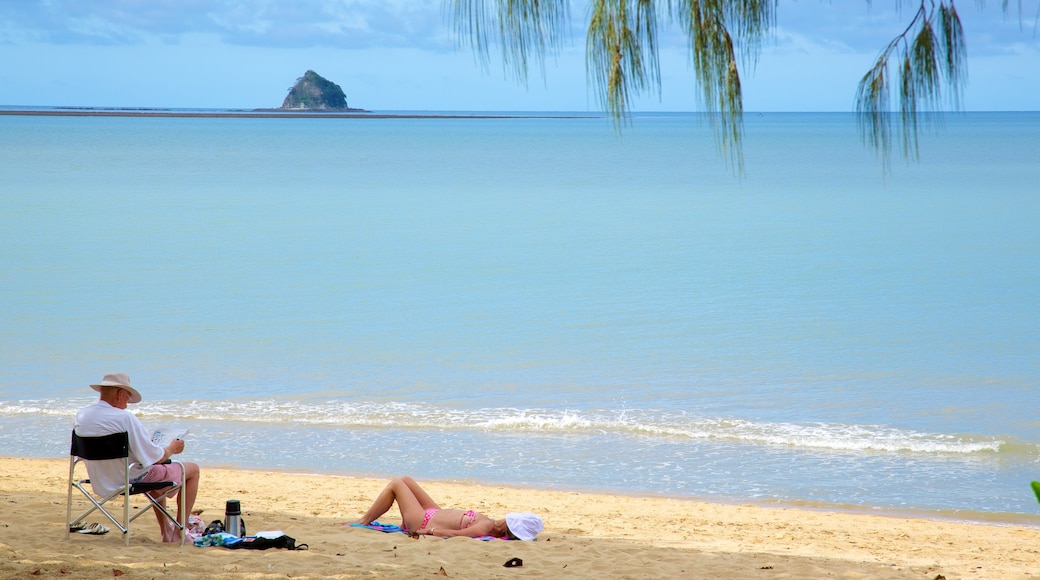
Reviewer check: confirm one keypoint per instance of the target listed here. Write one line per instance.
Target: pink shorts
(162, 472)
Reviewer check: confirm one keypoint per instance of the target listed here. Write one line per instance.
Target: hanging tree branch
(931, 53)
(622, 57)
(621, 52)
(711, 26)
(524, 29)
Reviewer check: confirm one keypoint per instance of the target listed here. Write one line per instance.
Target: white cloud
(342, 23)
(401, 54)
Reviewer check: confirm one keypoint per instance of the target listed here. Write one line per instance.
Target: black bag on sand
(257, 543)
(217, 526)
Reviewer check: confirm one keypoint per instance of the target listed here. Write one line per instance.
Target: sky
(402, 55)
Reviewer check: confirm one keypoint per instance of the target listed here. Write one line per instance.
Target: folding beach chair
(117, 446)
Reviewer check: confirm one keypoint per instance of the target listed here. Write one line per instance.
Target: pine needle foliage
(720, 32)
(932, 55)
(523, 29)
(621, 51)
(929, 57)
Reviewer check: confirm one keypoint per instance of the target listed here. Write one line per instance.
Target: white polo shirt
(104, 419)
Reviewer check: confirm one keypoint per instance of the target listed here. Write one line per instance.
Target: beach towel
(391, 529)
(388, 528)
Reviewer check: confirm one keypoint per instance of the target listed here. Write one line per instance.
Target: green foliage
(621, 46)
(622, 56)
(714, 50)
(932, 54)
(615, 59)
(524, 29)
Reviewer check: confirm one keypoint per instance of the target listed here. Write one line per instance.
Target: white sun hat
(118, 380)
(523, 525)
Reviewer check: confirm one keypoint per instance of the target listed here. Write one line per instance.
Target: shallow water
(540, 301)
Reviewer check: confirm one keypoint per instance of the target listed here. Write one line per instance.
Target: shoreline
(1025, 520)
(270, 114)
(587, 535)
(1022, 519)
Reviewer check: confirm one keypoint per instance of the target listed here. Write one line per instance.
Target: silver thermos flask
(233, 518)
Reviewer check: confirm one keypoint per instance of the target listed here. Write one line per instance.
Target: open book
(163, 435)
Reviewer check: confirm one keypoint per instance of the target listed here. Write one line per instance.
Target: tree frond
(923, 66)
(932, 56)
(622, 56)
(621, 52)
(604, 55)
(749, 21)
(955, 51)
(524, 29)
(646, 35)
(714, 60)
(872, 107)
(908, 96)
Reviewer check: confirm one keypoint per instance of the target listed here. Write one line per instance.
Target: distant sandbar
(270, 114)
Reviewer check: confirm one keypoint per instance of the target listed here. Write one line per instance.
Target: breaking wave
(645, 423)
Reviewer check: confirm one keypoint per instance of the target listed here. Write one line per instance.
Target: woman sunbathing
(421, 515)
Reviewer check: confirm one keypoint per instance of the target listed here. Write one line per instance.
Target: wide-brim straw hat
(118, 380)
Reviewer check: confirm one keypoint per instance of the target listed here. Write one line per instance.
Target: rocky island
(313, 96)
(313, 92)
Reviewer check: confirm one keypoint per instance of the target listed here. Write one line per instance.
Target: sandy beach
(586, 536)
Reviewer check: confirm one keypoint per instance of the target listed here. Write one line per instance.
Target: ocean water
(541, 301)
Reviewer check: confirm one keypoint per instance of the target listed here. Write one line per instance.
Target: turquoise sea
(541, 301)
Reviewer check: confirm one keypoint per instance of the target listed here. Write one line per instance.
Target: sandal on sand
(94, 529)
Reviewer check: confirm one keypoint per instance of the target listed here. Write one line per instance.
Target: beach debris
(442, 572)
(513, 563)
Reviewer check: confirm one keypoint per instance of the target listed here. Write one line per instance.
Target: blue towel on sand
(390, 528)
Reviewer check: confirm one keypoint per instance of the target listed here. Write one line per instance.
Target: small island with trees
(313, 92)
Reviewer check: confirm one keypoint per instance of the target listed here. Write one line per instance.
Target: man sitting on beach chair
(109, 415)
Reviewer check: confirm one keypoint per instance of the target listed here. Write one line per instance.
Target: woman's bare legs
(411, 500)
(420, 494)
